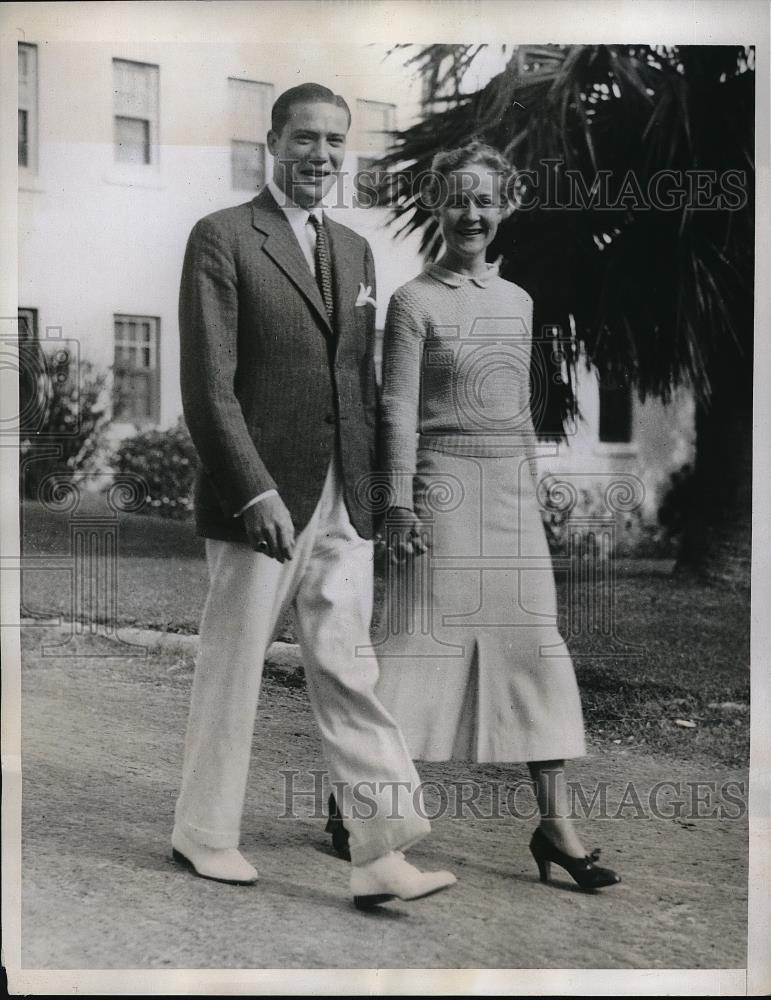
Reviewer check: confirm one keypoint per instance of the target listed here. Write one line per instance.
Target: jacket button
(330, 418)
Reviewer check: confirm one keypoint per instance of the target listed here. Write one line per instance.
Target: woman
(473, 666)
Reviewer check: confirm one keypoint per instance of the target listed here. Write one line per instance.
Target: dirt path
(102, 743)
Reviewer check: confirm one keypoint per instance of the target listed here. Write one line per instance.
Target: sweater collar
(455, 280)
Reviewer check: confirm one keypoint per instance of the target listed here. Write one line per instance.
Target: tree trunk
(717, 537)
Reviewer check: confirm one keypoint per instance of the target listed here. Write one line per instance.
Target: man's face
(309, 151)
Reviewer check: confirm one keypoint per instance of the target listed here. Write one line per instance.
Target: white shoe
(392, 877)
(222, 864)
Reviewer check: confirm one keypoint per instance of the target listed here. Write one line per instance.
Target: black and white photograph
(385, 490)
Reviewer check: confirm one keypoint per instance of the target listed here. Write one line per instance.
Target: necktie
(323, 262)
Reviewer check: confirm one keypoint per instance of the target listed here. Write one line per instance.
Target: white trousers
(329, 578)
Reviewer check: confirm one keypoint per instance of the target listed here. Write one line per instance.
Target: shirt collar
(291, 208)
(455, 280)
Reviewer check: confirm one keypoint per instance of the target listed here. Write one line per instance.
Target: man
(277, 343)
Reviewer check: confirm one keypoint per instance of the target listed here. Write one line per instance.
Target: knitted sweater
(456, 369)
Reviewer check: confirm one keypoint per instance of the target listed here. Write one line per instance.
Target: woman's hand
(404, 534)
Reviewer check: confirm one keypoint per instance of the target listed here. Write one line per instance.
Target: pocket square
(364, 298)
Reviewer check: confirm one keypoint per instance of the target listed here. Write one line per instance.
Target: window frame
(151, 115)
(234, 169)
(28, 102)
(364, 152)
(623, 446)
(27, 312)
(239, 133)
(153, 373)
(368, 140)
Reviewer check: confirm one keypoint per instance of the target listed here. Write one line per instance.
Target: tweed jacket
(268, 385)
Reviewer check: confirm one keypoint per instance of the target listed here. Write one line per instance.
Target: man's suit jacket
(267, 384)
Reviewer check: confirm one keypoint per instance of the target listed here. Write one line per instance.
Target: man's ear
(272, 140)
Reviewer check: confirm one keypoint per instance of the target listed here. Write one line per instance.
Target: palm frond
(654, 292)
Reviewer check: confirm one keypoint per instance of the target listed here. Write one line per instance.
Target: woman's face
(470, 209)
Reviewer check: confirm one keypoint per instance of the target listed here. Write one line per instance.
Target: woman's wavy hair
(434, 187)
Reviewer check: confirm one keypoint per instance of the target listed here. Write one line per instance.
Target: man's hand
(405, 534)
(269, 528)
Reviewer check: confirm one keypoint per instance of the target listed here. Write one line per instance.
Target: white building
(122, 147)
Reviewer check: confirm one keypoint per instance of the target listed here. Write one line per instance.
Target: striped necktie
(323, 261)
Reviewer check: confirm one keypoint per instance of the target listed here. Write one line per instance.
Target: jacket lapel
(283, 249)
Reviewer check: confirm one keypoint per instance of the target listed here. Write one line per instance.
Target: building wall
(662, 440)
(99, 238)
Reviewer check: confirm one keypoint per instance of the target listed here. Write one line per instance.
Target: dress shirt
(298, 218)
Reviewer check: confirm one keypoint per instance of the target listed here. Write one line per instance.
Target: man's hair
(307, 92)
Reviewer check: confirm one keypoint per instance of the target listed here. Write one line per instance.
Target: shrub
(166, 460)
(677, 502)
(632, 534)
(64, 412)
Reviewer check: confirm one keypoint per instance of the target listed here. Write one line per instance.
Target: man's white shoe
(392, 877)
(222, 864)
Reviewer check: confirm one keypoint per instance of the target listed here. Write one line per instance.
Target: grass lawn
(161, 569)
(691, 643)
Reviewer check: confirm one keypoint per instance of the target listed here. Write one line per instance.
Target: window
(247, 165)
(136, 385)
(135, 88)
(249, 108)
(27, 325)
(615, 411)
(132, 139)
(28, 106)
(30, 366)
(373, 122)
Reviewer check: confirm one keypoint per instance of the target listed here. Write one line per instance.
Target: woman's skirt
(472, 665)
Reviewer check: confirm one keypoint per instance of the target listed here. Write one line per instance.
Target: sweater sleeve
(403, 341)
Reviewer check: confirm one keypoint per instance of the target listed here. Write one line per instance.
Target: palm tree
(654, 287)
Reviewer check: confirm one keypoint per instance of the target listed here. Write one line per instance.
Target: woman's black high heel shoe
(582, 870)
(339, 833)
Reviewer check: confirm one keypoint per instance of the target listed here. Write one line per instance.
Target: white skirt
(472, 665)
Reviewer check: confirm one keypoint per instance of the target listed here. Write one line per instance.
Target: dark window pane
(132, 396)
(118, 394)
(27, 324)
(23, 138)
(247, 161)
(615, 413)
(132, 140)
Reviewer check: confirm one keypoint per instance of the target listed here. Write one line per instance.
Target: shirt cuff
(255, 500)
(401, 489)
